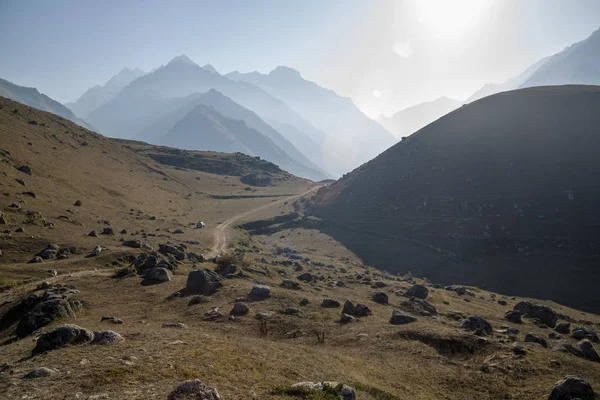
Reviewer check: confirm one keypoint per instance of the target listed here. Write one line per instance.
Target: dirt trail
(220, 233)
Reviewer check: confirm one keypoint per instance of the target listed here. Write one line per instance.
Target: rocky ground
(125, 299)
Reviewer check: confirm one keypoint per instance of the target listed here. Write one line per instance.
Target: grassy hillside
(500, 193)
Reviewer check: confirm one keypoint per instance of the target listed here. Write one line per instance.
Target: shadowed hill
(501, 193)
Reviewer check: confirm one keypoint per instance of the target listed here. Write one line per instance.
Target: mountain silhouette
(33, 98)
(500, 193)
(99, 95)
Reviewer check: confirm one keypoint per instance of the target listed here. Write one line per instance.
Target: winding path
(220, 233)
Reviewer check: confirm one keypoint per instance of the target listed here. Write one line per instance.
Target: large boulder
(401, 318)
(62, 336)
(106, 337)
(348, 308)
(418, 291)
(513, 316)
(260, 291)
(158, 275)
(203, 281)
(589, 351)
(478, 324)
(542, 313)
(43, 313)
(533, 338)
(381, 298)
(418, 306)
(563, 328)
(571, 388)
(585, 332)
(194, 390)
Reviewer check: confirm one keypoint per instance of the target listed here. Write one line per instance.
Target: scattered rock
(400, 318)
(381, 298)
(290, 284)
(306, 277)
(134, 244)
(36, 259)
(78, 203)
(330, 303)
(564, 328)
(349, 307)
(418, 306)
(62, 336)
(418, 291)
(346, 392)
(112, 320)
(291, 311)
(108, 231)
(361, 311)
(260, 291)
(106, 337)
(26, 169)
(518, 349)
(194, 390)
(93, 234)
(478, 324)
(158, 275)
(571, 388)
(533, 338)
(262, 315)
(585, 332)
(41, 372)
(239, 309)
(513, 316)
(589, 351)
(203, 281)
(568, 348)
(97, 250)
(537, 311)
(213, 314)
(304, 302)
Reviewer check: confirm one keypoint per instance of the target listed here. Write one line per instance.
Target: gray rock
(203, 281)
(44, 312)
(418, 306)
(112, 320)
(106, 337)
(213, 314)
(262, 315)
(502, 302)
(35, 260)
(400, 318)
(478, 324)
(25, 169)
(585, 332)
(381, 298)
(306, 277)
(537, 311)
(361, 311)
(290, 284)
(568, 348)
(346, 392)
(197, 299)
(513, 316)
(134, 244)
(158, 275)
(62, 336)
(41, 372)
(260, 291)
(518, 349)
(533, 338)
(291, 311)
(572, 388)
(418, 291)
(330, 303)
(97, 250)
(108, 231)
(239, 309)
(176, 325)
(564, 328)
(304, 302)
(349, 308)
(589, 351)
(194, 390)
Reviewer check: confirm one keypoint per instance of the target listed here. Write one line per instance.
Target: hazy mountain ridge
(99, 95)
(409, 120)
(33, 98)
(348, 130)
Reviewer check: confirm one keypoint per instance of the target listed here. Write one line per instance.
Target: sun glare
(450, 18)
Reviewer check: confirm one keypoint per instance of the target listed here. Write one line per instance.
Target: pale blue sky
(384, 54)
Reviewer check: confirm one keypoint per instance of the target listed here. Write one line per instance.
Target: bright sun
(450, 17)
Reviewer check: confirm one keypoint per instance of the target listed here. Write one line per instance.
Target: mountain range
(99, 95)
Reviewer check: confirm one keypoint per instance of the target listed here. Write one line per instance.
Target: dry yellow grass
(233, 356)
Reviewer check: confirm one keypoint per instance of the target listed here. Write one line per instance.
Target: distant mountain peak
(182, 59)
(283, 71)
(210, 68)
